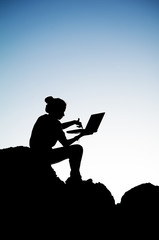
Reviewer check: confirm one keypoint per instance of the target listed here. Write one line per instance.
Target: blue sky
(98, 56)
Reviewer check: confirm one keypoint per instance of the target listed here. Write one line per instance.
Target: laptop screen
(94, 122)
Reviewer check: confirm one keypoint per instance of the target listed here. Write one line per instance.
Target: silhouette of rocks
(36, 203)
(139, 209)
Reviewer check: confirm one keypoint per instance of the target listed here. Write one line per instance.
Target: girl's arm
(68, 124)
(68, 142)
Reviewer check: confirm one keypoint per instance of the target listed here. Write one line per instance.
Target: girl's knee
(76, 148)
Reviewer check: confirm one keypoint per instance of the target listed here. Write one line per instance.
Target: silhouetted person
(48, 130)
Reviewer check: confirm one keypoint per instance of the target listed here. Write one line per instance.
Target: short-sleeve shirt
(46, 132)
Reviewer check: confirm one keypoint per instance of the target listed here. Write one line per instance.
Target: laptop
(92, 125)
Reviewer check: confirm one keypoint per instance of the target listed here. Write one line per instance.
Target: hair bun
(49, 99)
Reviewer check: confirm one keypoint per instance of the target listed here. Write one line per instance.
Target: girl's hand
(78, 123)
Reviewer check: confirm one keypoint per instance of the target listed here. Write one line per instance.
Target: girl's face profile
(60, 113)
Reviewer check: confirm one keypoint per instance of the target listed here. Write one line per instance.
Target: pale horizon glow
(98, 56)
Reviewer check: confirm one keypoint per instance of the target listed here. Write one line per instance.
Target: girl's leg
(75, 158)
(73, 153)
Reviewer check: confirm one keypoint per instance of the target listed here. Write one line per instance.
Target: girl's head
(55, 106)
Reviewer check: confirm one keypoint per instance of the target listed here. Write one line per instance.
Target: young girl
(48, 130)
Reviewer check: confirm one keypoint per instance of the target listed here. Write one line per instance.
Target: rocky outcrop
(35, 200)
(36, 203)
(139, 211)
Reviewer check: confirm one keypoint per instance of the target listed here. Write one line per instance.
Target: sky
(99, 56)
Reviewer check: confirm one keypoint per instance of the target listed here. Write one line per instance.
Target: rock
(139, 209)
(34, 198)
(36, 203)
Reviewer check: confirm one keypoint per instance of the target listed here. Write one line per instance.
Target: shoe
(74, 180)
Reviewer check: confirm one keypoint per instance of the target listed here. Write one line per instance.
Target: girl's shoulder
(48, 120)
(42, 117)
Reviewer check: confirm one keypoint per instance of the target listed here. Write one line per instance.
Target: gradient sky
(97, 55)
